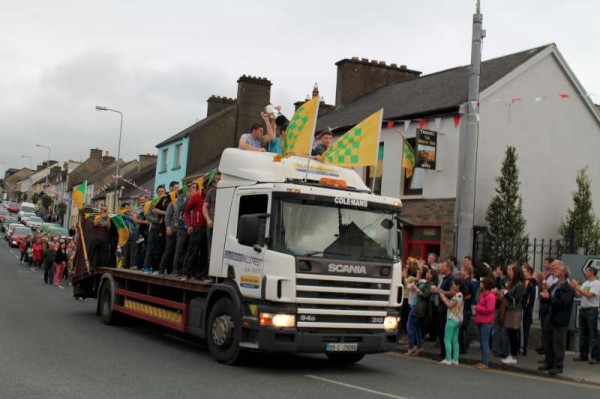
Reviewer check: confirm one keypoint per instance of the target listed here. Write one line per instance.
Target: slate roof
(437, 93)
(198, 125)
(144, 178)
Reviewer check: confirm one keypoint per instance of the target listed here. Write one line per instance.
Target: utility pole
(468, 140)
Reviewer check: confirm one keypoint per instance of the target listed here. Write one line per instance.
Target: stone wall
(439, 213)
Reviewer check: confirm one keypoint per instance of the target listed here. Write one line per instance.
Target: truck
(304, 259)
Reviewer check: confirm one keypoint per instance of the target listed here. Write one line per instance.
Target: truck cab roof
(247, 168)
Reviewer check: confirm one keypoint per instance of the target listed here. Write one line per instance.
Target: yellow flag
(297, 139)
(359, 146)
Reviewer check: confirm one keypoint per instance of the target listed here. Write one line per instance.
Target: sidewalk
(573, 371)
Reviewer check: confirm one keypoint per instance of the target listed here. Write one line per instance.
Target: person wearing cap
(589, 292)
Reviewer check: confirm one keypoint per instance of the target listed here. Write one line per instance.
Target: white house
(530, 100)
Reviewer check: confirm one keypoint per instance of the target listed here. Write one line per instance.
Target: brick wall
(433, 213)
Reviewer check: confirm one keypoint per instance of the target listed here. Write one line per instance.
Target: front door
(422, 241)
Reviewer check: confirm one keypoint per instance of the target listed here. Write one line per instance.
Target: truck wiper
(313, 253)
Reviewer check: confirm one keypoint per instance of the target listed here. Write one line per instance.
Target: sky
(158, 62)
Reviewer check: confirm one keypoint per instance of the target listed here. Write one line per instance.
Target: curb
(427, 354)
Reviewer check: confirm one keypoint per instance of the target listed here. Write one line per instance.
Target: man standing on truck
(100, 238)
(182, 235)
(142, 227)
(252, 141)
(196, 259)
(152, 245)
(208, 209)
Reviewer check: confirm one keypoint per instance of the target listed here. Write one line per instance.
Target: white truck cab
(309, 257)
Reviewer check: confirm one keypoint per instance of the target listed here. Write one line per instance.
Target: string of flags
(475, 105)
(109, 185)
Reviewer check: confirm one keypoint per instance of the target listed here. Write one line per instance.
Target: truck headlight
(390, 323)
(279, 320)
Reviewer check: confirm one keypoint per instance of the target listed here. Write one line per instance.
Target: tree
(580, 227)
(61, 210)
(46, 201)
(35, 198)
(505, 240)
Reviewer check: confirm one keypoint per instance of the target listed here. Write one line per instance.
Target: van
(26, 207)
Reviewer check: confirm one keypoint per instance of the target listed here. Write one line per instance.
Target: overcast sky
(159, 61)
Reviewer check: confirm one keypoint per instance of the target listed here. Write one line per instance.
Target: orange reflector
(266, 319)
(328, 181)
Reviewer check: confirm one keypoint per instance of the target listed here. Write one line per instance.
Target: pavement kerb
(433, 355)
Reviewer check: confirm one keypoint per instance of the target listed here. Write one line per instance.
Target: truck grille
(341, 302)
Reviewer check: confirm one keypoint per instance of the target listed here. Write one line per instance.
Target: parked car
(3, 214)
(8, 221)
(13, 208)
(19, 234)
(10, 228)
(25, 216)
(47, 226)
(35, 222)
(59, 231)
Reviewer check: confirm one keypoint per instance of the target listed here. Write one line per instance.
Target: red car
(13, 208)
(19, 235)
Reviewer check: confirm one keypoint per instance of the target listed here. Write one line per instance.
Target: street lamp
(101, 108)
(30, 161)
(48, 163)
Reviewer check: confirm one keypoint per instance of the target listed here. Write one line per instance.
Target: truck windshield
(333, 231)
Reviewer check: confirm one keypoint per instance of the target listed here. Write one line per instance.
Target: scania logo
(350, 269)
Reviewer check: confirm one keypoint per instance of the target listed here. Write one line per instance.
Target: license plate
(341, 347)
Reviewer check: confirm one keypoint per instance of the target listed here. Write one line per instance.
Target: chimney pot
(394, 65)
(382, 63)
(403, 67)
(364, 59)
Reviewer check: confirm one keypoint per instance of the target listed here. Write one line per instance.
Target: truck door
(247, 260)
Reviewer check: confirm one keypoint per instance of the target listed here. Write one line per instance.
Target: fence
(537, 250)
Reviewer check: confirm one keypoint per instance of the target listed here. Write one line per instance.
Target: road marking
(510, 373)
(343, 384)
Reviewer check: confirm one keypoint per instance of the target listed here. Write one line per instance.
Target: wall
(207, 144)
(554, 138)
(172, 172)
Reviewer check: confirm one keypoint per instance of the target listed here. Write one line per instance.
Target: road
(53, 346)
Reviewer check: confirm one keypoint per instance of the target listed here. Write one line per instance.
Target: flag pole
(377, 151)
(312, 140)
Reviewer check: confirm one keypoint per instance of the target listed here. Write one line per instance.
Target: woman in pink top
(484, 318)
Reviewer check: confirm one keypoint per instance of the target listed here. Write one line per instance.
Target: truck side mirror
(251, 229)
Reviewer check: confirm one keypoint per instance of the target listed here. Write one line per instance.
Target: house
(12, 182)
(41, 174)
(134, 182)
(98, 171)
(104, 180)
(531, 100)
(197, 149)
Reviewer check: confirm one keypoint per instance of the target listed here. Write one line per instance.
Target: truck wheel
(224, 332)
(105, 305)
(345, 358)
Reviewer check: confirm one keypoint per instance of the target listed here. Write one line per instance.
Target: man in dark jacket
(560, 300)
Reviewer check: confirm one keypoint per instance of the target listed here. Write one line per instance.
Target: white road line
(343, 384)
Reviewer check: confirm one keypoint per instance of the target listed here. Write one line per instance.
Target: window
(412, 185)
(163, 162)
(375, 173)
(252, 204)
(423, 241)
(177, 157)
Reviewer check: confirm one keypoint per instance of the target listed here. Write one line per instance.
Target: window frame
(164, 153)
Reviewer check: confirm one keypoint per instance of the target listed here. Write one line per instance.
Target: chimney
(146, 160)
(107, 159)
(357, 77)
(96, 153)
(323, 107)
(253, 95)
(216, 104)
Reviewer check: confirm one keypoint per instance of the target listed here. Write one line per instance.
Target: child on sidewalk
(454, 317)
